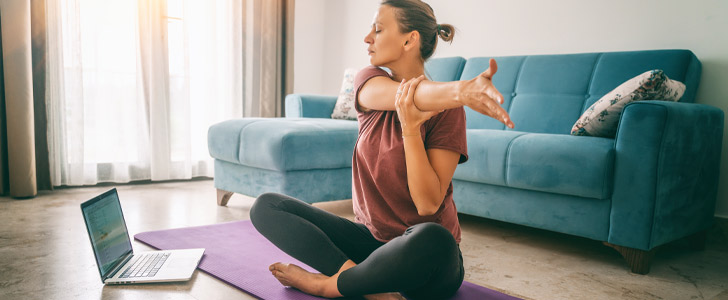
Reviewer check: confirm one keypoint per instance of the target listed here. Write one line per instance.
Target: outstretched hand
(410, 117)
(481, 95)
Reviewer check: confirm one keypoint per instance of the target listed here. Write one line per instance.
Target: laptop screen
(107, 230)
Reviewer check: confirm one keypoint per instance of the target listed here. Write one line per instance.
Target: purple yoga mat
(237, 254)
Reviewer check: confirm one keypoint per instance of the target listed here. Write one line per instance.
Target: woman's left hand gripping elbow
(410, 117)
(428, 172)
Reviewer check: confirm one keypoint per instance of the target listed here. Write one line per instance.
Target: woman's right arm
(479, 93)
(379, 93)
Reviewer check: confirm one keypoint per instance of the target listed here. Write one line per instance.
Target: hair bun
(446, 32)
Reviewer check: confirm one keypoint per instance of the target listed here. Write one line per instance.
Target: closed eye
(374, 27)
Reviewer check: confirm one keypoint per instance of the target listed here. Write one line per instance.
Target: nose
(368, 39)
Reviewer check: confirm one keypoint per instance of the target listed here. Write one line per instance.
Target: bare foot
(385, 296)
(309, 283)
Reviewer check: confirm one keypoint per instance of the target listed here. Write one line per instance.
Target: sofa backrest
(445, 69)
(548, 93)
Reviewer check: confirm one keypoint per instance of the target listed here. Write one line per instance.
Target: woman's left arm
(429, 172)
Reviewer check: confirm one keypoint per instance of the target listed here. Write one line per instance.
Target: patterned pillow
(602, 117)
(344, 108)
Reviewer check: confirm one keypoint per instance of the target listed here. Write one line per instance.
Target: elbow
(428, 207)
(427, 211)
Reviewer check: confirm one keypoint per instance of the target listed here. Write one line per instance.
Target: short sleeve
(362, 77)
(447, 131)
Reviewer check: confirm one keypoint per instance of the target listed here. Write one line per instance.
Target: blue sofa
(654, 183)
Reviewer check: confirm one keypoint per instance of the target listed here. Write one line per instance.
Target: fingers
(502, 116)
(489, 108)
(398, 95)
(408, 113)
(399, 88)
(492, 68)
(406, 91)
(402, 92)
(494, 94)
(411, 89)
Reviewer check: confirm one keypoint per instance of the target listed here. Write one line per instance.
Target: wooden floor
(45, 252)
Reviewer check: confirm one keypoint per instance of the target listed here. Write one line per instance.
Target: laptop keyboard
(145, 266)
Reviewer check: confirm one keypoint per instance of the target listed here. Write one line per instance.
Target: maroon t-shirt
(381, 196)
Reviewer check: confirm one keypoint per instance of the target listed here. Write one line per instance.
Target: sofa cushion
(542, 93)
(284, 144)
(613, 68)
(559, 88)
(554, 163)
(444, 69)
(487, 150)
(601, 118)
(344, 108)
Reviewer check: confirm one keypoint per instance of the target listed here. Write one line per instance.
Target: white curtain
(17, 132)
(133, 86)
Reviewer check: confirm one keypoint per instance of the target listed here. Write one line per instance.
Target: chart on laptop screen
(108, 232)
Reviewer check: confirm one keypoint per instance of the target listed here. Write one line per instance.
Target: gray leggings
(423, 263)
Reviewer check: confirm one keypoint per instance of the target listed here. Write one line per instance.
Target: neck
(406, 70)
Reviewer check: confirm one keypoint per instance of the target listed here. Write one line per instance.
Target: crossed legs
(423, 263)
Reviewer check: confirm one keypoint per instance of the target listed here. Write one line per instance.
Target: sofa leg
(223, 197)
(638, 260)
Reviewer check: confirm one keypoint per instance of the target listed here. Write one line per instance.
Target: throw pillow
(602, 117)
(344, 108)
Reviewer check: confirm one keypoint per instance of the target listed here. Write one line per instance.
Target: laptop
(117, 262)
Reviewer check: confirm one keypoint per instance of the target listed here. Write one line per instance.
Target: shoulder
(367, 73)
(373, 70)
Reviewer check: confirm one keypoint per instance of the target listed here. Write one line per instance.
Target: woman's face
(386, 43)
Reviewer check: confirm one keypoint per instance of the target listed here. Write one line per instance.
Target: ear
(412, 41)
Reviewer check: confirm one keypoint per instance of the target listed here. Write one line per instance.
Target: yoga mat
(237, 254)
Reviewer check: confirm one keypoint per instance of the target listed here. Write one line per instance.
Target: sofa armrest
(309, 106)
(666, 172)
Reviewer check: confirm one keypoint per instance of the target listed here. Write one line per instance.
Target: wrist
(458, 93)
(411, 131)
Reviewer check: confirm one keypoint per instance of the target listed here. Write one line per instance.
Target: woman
(411, 137)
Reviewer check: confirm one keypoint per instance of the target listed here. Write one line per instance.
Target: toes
(277, 274)
(281, 278)
(276, 266)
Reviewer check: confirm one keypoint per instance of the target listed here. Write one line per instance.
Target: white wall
(519, 27)
(309, 23)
